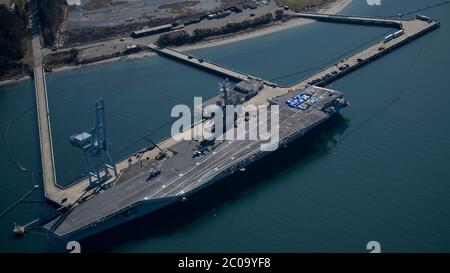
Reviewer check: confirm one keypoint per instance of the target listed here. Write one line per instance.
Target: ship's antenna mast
(225, 87)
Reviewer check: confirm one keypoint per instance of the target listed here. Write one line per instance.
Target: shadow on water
(169, 219)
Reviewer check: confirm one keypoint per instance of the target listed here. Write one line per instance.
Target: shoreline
(332, 8)
(13, 81)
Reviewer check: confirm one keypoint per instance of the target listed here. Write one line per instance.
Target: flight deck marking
(239, 144)
(220, 156)
(228, 164)
(231, 163)
(229, 142)
(213, 162)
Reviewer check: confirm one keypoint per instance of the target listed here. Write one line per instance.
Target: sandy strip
(12, 81)
(332, 8)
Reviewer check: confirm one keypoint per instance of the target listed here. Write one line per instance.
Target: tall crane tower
(224, 90)
(95, 147)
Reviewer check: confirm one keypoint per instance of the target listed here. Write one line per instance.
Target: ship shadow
(303, 151)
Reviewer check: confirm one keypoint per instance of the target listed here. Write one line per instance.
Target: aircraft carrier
(151, 184)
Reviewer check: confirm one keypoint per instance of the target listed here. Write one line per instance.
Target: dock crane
(224, 90)
(95, 147)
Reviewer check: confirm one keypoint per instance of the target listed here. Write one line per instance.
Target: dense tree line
(12, 33)
(51, 15)
(182, 37)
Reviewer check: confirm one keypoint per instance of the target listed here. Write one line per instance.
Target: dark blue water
(377, 172)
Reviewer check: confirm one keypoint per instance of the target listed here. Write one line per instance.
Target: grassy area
(301, 5)
(61, 59)
(182, 37)
(179, 7)
(28, 57)
(97, 4)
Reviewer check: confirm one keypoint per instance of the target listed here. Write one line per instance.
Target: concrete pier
(412, 29)
(52, 191)
(205, 65)
(43, 115)
(359, 20)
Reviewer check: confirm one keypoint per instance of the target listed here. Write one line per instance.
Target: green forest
(182, 37)
(12, 35)
(51, 14)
